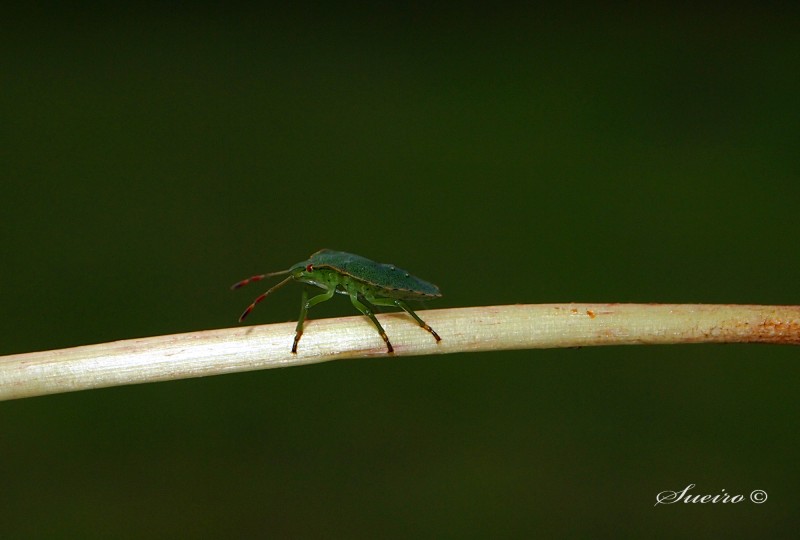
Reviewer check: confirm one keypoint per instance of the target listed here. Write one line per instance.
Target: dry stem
(214, 352)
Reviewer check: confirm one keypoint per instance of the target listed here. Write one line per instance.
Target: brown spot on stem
(777, 331)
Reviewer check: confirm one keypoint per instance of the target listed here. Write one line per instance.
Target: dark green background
(150, 158)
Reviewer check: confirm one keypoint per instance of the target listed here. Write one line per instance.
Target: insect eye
(309, 268)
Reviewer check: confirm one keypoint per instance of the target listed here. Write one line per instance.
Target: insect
(366, 282)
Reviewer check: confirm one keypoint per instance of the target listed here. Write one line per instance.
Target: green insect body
(367, 284)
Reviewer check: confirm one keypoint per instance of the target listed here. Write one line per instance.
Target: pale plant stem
(244, 348)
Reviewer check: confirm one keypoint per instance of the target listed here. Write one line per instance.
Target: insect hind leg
(402, 305)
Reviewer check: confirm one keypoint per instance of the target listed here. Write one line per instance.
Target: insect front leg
(368, 312)
(402, 305)
(305, 305)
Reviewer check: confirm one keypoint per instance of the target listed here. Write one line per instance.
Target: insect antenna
(260, 298)
(240, 284)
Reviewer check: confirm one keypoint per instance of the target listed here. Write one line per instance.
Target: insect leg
(402, 305)
(305, 305)
(367, 303)
(368, 312)
(298, 331)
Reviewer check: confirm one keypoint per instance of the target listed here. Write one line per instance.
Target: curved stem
(214, 352)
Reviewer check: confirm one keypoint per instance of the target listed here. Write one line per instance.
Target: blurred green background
(152, 157)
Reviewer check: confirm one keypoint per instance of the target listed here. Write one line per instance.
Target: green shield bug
(366, 282)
